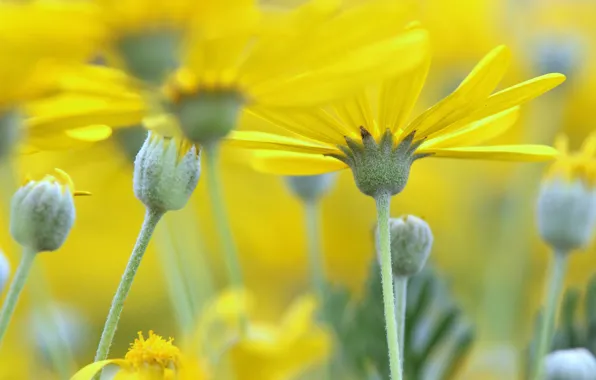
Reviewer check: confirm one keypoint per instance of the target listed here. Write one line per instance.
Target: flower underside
(380, 166)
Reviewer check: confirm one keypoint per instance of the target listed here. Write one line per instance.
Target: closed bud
(43, 212)
(411, 243)
(4, 271)
(573, 364)
(566, 209)
(166, 172)
(310, 187)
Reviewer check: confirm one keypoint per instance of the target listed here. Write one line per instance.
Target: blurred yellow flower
(579, 166)
(40, 38)
(240, 48)
(87, 103)
(451, 128)
(268, 351)
(153, 358)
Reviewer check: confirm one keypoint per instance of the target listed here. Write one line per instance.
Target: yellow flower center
(154, 352)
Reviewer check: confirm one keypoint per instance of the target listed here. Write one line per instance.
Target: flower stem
(400, 284)
(315, 259)
(15, 290)
(109, 330)
(221, 221)
(169, 260)
(383, 201)
(555, 286)
(316, 263)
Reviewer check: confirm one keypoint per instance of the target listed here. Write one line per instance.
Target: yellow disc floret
(154, 351)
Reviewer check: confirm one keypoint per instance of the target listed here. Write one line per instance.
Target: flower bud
(43, 212)
(4, 271)
(566, 214)
(559, 53)
(411, 242)
(566, 209)
(310, 187)
(573, 364)
(166, 172)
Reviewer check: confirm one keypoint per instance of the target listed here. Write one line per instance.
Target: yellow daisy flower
(153, 358)
(326, 140)
(241, 54)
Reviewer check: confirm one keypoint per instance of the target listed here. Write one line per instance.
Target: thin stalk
(383, 201)
(59, 351)
(179, 296)
(222, 224)
(400, 285)
(553, 293)
(109, 330)
(316, 262)
(16, 287)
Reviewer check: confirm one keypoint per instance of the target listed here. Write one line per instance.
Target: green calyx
(208, 116)
(383, 166)
(150, 56)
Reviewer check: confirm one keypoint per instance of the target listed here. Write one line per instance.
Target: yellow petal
(262, 140)
(589, 146)
(472, 92)
(312, 123)
(290, 163)
(277, 56)
(299, 319)
(352, 71)
(562, 143)
(355, 113)
(477, 132)
(51, 141)
(497, 152)
(399, 95)
(89, 371)
(91, 133)
(518, 94)
(69, 111)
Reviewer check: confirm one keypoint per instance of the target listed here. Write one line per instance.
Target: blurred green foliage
(437, 338)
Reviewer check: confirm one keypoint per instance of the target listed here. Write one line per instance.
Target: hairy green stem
(553, 294)
(383, 201)
(400, 284)
(223, 226)
(152, 217)
(16, 287)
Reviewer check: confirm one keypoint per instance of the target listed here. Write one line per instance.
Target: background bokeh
(482, 214)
